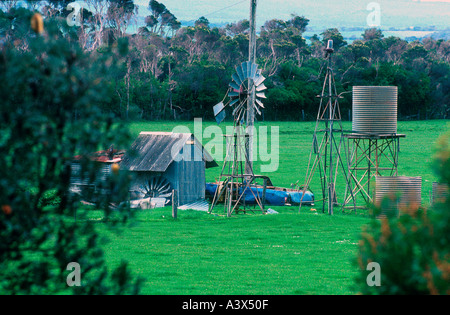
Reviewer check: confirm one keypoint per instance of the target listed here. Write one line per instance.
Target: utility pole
(331, 110)
(251, 89)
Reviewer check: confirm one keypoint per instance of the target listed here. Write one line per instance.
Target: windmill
(247, 79)
(237, 180)
(327, 139)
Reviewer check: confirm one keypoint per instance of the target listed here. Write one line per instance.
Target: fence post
(174, 203)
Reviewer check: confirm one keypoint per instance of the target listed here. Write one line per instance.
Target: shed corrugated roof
(155, 151)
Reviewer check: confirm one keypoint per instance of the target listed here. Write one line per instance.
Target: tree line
(179, 72)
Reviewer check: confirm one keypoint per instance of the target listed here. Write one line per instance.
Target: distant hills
(412, 18)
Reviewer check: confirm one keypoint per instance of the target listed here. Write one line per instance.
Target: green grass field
(285, 253)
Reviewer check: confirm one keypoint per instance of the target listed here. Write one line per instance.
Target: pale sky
(333, 13)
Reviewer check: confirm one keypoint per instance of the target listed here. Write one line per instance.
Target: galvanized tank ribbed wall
(375, 109)
(403, 192)
(440, 193)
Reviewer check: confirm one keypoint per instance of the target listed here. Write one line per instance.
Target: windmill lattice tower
(237, 179)
(325, 156)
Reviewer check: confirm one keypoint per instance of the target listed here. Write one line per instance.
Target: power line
(230, 6)
(217, 11)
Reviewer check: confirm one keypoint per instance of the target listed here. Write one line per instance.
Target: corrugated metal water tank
(397, 192)
(375, 109)
(440, 193)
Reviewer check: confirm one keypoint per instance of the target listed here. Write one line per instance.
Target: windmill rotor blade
(233, 93)
(235, 86)
(151, 182)
(165, 185)
(143, 189)
(261, 95)
(162, 193)
(236, 79)
(257, 109)
(244, 70)
(164, 190)
(155, 182)
(259, 80)
(166, 194)
(259, 103)
(161, 190)
(158, 182)
(240, 73)
(261, 87)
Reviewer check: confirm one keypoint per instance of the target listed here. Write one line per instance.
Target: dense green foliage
(175, 72)
(49, 113)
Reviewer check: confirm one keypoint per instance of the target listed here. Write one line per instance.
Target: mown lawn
(291, 252)
(285, 253)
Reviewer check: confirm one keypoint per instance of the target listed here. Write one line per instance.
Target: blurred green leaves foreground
(413, 249)
(51, 93)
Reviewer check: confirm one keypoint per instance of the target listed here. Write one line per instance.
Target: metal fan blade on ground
(156, 187)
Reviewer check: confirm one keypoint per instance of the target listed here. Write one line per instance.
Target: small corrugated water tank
(440, 193)
(394, 193)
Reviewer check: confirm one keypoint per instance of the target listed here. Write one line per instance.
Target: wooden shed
(163, 161)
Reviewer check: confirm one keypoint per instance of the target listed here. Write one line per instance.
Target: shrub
(413, 249)
(49, 112)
